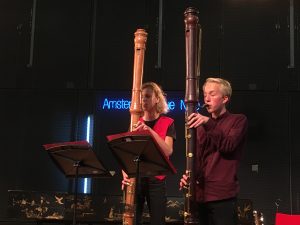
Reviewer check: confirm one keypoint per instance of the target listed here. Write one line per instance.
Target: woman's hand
(140, 126)
(165, 144)
(125, 181)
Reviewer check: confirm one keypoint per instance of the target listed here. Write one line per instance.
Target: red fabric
(161, 127)
(64, 145)
(287, 219)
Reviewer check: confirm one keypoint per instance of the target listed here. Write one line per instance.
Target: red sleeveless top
(161, 127)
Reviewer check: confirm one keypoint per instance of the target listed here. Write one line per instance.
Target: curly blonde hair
(162, 105)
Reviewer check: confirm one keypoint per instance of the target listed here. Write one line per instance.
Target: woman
(152, 189)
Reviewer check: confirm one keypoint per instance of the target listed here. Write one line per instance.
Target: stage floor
(11, 221)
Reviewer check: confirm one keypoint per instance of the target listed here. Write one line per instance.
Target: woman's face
(149, 99)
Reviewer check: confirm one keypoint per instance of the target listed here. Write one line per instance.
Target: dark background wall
(52, 77)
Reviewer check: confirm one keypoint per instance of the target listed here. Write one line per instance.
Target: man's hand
(184, 181)
(196, 119)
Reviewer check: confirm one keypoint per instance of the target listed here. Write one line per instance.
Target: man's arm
(227, 143)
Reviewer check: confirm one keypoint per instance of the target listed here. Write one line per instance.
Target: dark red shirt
(220, 144)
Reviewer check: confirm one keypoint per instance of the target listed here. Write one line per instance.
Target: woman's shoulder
(166, 118)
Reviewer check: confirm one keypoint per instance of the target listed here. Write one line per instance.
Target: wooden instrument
(135, 112)
(192, 44)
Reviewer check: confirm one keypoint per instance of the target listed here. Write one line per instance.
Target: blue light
(171, 105)
(86, 186)
(124, 104)
(118, 104)
(88, 127)
(182, 105)
(87, 181)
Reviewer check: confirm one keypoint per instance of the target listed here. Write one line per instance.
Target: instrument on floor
(192, 45)
(258, 218)
(135, 113)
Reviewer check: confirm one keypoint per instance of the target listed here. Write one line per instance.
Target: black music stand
(139, 148)
(139, 154)
(76, 159)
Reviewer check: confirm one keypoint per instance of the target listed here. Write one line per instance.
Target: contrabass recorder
(135, 113)
(192, 46)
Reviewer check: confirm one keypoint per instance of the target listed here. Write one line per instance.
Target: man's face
(149, 100)
(214, 98)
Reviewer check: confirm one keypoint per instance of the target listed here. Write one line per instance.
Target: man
(220, 141)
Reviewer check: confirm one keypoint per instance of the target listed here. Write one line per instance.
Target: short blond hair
(162, 105)
(225, 85)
